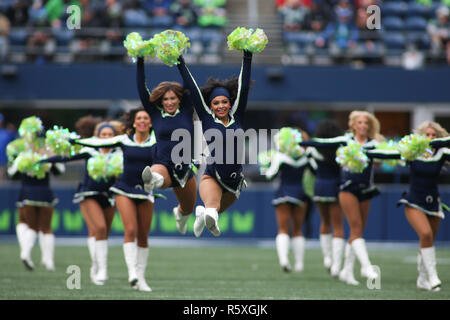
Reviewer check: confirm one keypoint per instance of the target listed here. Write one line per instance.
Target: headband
(218, 91)
(106, 125)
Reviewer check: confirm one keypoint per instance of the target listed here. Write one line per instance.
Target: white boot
(429, 260)
(41, 246)
(29, 239)
(325, 244)
(199, 223)
(337, 248)
(181, 220)
(359, 247)
(282, 245)
(346, 274)
(94, 267)
(152, 180)
(142, 256)
(48, 247)
(211, 221)
(422, 279)
(130, 253)
(21, 228)
(101, 256)
(298, 246)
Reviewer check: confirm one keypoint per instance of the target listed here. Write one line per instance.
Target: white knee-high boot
(298, 246)
(325, 244)
(282, 245)
(181, 220)
(337, 248)
(130, 253)
(20, 231)
(142, 257)
(41, 246)
(29, 239)
(199, 223)
(359, 247)
(429, 260)
(212, 220)
(101, 256)
(346, 274)
(48, 251)
(91, 248)
(422, 278)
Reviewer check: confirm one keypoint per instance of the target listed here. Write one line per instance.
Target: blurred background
(321, 62)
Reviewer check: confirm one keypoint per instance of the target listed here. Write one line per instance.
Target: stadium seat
(417, 9)
(419, 39)
(393, 23)
(300, 38)
(63, 36)
(394, 9)
(18, 36)
(394, 41)
(416, 24)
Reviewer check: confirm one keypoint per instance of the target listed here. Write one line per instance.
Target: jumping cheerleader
(170, 109)
(96, 201)
(220, 105)
(290, 203)
(326, 189)
(423, 208)
(37, 202)
(355, 192)
(135, 205)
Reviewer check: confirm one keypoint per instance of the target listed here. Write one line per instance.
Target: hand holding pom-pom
(247, 39)
(30, 127)
(287, 141)
(28, 162)
(414, 146)
(136, 47)
(352, 157)
(170, 45)
(58, 140)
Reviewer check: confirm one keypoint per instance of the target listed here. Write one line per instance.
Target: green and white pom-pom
(28, 162)
(114, 165)
(265, 158)
(414, 146)
(30, 127)
(287, 141)
(247, 39)
(15, 147)
(352, 157)
(390, 145)
(96, 167)
(136, 47)
(57, 141)
(170, 44)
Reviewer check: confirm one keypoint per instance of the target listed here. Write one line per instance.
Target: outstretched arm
(194, 91)
(383, 154)
(55, 159)
(244, 85)
(325, 142)
(95, 142)
(440, 142)
(144, 93)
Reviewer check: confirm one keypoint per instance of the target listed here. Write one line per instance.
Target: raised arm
(144, 93)
(440, 142)
(244, 85)
(95, 142)
(194, 91)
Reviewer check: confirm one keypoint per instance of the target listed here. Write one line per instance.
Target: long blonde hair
(374, 124)
(440, 132)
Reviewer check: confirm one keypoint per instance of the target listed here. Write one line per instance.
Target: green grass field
(215, 273)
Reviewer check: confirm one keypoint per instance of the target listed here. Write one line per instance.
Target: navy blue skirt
(136, 192)
(233, 184)
(427, 203)
(37, 196)
(361, 191)
(326, 190)
(294, 194)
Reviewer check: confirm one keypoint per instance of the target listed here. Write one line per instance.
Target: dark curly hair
(128, 120)
(328, 129)
(231, 84)
(85, 125)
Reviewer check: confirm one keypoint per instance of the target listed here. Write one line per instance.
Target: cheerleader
(170, 109)
(326, 191)
(37, 202)
(355, 192)
(220, 105)
(95, 199)
(290, 204)
(135, 205)
(423, 208)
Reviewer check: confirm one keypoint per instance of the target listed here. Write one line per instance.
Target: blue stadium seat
(394, 41)
(63, 36)
(161, 22)
(419, 39)
(393, 23)
(18, 36)
(299, 37)
(394, 9)
(136, 19)
(417, 9)
(416, 24)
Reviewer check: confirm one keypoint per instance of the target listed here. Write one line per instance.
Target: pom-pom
(390, 145)
(287, 141)
(15, 147)
(352, 157)
(30, 127)
(170, 45)
(105, 166)
(136, 47)
(265, 158)
(57, 141)
(28, 162)
(247, 39)
(414, 146)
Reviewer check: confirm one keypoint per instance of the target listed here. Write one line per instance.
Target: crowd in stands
(40, 27)
(414, 30)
